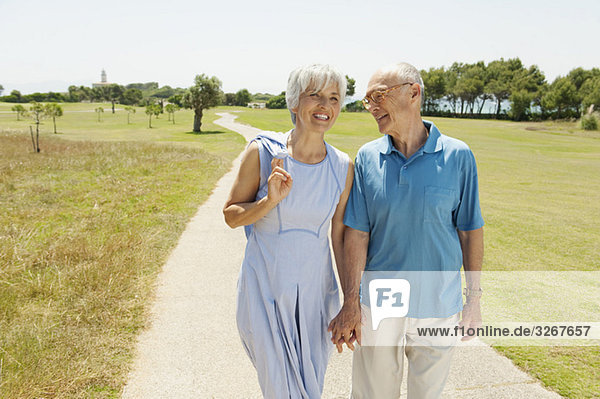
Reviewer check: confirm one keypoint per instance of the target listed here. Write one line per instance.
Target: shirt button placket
(402, 178)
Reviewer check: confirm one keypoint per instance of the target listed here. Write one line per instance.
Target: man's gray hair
(406, 72)
(315, 77)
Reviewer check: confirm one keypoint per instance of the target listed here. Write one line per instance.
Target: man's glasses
(378, 96)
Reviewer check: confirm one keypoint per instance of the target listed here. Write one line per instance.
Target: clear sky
(48, 45)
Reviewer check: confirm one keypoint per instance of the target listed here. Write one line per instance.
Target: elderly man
(414, 206)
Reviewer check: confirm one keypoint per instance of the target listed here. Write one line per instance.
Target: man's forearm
(356, 244)
(471, 243)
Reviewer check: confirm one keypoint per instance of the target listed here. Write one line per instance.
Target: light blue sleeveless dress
(287, 292)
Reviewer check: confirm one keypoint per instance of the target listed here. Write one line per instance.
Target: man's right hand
(345, 327)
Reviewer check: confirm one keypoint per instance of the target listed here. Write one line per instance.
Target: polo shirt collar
(433, 143)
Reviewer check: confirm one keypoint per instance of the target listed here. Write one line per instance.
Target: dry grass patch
(84, 229)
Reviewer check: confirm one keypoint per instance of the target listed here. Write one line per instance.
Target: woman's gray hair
(315, 77)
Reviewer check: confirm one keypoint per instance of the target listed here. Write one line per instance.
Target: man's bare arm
(471, 243)
(345, 327)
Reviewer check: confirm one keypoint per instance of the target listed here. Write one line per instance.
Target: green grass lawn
(80, 122)
(540, 198)
(86, 224)
(85, 227)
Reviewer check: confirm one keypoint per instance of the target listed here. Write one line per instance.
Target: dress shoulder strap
(270, 145)
(340, 162)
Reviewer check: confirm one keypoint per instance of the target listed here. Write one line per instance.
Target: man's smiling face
(388, 112)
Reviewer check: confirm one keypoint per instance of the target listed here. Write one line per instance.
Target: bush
(356, 106)
(589, 122)
(277, 102)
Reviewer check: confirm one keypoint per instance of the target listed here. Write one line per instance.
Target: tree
(53, 110)
(229, 99)
(242, 98)
(176, 99)
(130, 110)
(143, 86)
(113, 94)
(435, 88)
(99, 111)
(152, 109)
(83, 93)
(277, 102)
(55, 97)
(1, 89)
(470, 84)
(14, 97)
(20, 110)
(35, 140)
(37, 97)
(164, 92)
(74, 94)
(451, 78)
(131, 97)
(350, 86)
(37, 113)
(171, 109)
(356, 106)
(157, 110)
(500, 79)
(590, 93)
(205, 93)
(579, 76)
(520, 105)
(97, 94)
(264, 97)
(149, 112)
(562, 98)
(531, 81)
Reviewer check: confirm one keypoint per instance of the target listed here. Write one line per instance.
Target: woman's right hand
(279, 183)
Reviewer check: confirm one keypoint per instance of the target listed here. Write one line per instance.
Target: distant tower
(103, 80)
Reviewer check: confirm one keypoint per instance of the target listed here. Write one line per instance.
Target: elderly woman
(289, 189)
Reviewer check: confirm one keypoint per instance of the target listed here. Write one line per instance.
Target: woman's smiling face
(318, 110)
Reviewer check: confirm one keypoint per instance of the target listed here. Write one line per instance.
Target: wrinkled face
(318, 110)
(388, 113)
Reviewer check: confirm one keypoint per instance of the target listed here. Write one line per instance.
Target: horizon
(53, 84)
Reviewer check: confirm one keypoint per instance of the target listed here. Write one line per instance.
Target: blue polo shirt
(413, 207)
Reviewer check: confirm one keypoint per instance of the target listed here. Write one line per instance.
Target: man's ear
(415, 92)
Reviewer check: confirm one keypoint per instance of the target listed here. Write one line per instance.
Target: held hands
(345, 327)
(280, 181)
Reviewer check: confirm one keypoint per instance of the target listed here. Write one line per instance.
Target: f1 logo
(389, 298)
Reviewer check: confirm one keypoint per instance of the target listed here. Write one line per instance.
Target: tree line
(139, 94)
(464, 89)
(516, 92)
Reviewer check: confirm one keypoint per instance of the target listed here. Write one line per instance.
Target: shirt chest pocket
(439, 204)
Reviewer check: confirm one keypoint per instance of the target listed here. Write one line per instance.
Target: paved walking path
(192, 349)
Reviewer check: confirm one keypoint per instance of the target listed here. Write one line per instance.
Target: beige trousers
(378, 364)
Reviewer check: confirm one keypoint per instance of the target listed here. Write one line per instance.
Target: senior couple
(410, 202)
